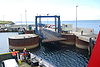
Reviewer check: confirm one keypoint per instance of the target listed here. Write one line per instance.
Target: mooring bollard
(91, 44)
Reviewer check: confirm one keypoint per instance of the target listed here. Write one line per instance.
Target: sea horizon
(93, 24)
(61, 20)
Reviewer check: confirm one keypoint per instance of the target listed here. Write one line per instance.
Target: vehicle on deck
(9, 63)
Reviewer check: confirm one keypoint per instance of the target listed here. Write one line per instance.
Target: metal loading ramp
(51, 36)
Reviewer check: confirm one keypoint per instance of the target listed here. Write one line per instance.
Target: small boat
(21, 30)
(28, 41)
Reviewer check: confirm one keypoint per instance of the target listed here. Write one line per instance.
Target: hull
(29, 31)
(28, 41)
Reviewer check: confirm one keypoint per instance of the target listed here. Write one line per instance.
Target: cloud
(12, 9)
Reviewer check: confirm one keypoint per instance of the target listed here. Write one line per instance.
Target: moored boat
(15, 57)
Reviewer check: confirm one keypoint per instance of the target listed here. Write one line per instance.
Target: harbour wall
(80, 41)
(21, 43)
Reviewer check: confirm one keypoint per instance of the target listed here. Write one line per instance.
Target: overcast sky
(14, 9)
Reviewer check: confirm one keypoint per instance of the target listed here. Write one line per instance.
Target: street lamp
(76, 18)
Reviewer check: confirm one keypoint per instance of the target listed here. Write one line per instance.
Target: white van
(9, 63)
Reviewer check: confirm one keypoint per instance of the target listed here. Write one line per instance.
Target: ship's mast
(26, 18)
(21, 18)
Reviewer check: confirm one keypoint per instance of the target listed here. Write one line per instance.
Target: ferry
(19, 59)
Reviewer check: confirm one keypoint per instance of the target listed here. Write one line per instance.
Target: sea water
(93, 24)
(55, 53)
(62, 56)
(4, 44)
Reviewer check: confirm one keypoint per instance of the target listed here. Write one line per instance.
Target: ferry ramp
(50, 36)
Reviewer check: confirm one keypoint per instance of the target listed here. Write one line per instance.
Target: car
(9, 63)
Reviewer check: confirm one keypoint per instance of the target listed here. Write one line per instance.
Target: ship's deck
(24, 65)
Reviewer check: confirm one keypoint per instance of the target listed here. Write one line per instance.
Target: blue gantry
(57, 24)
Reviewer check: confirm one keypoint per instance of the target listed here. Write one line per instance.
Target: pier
(46, 34)
(82, 38)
